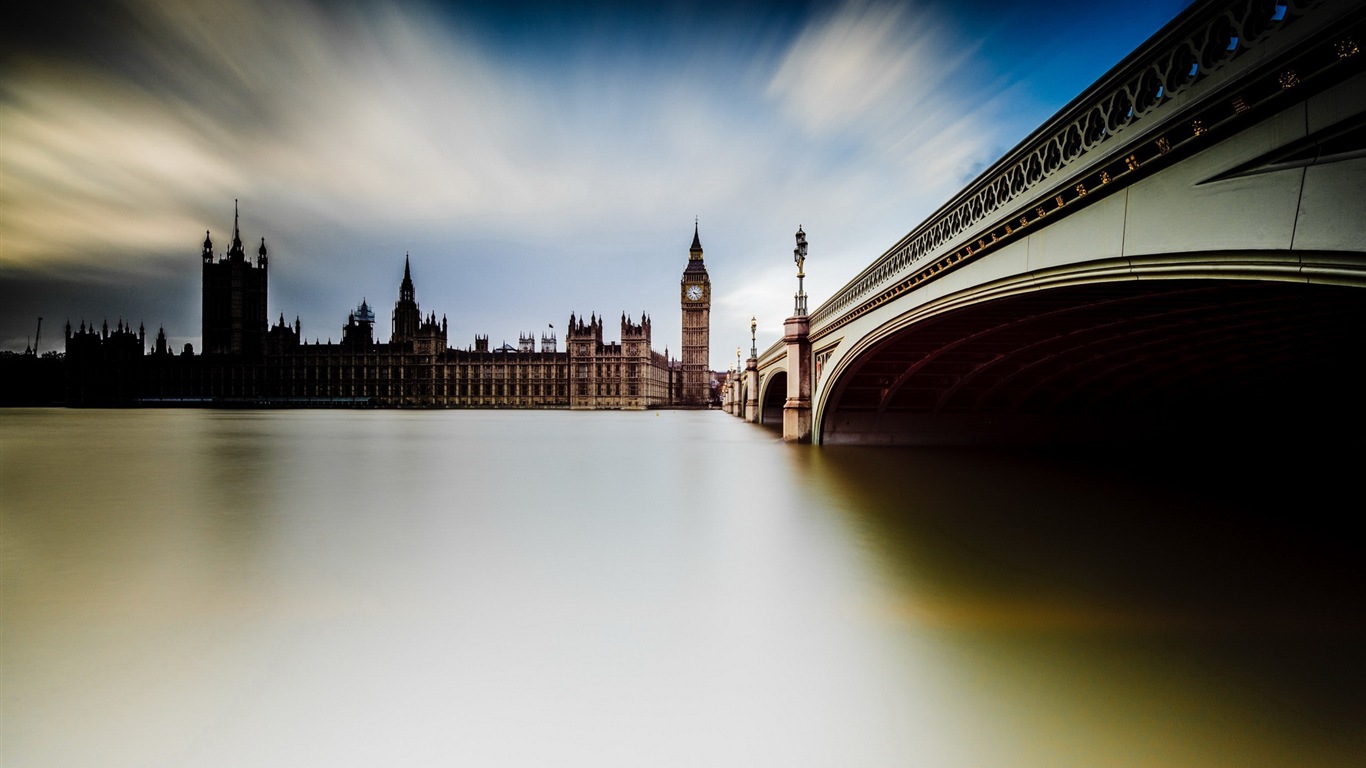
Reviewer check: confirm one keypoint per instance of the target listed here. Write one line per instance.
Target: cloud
(365, 115)
(353, 133)
(892, 77)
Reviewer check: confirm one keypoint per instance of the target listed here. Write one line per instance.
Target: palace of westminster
(245, 360)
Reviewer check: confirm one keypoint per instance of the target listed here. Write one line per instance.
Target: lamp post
(749, 410)
(739, 404)
(797, 338)
(730, 391)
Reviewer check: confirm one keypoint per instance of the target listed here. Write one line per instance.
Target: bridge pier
(751, 409)
(797, 409)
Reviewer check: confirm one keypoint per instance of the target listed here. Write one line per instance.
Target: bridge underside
(771, 404)
(1114, 362)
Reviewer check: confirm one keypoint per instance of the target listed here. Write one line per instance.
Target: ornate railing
(1099, 142)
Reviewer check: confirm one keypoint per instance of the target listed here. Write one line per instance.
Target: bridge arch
(1209, 344)
(772, 395)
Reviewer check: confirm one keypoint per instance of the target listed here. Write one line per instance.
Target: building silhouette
(234, 298)
(247, 361)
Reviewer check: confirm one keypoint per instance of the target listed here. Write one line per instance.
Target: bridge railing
(1081, 150)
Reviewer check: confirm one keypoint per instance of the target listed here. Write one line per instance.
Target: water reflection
(1185, 619)
(510, 588)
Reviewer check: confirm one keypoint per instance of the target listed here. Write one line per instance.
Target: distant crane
(33, 350)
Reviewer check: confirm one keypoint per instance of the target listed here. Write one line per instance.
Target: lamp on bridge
(738, 367)
(797, 339)
(753, 324)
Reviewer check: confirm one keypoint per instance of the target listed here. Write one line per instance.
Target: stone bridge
(1182, 248)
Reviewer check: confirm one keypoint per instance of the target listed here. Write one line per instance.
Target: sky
(532, 160)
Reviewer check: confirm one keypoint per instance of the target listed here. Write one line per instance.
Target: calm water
(211, 588)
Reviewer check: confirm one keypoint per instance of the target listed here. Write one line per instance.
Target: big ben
(695, 295)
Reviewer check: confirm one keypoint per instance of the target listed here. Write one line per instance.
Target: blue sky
(533, 159)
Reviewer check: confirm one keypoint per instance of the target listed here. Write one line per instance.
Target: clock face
(694, 293)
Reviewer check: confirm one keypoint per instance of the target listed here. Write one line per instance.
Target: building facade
(247, 361)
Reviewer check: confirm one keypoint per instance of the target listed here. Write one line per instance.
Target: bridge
(1182, 247)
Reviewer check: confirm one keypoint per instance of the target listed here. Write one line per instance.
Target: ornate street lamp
(799, 256)
(753, 350)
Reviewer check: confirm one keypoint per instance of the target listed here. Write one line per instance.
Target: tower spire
(236, 252)
(406, 291)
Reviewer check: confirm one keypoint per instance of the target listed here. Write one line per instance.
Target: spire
(406, 292)
(696, 241)
(236, 253)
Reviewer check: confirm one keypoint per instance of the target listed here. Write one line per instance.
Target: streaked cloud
(865, 63)
(890, 75)
(355, 132)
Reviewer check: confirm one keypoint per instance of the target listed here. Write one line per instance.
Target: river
(671, 588)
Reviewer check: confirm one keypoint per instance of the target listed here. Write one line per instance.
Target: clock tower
(695, 294)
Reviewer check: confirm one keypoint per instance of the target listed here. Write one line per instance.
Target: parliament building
(246, 360)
